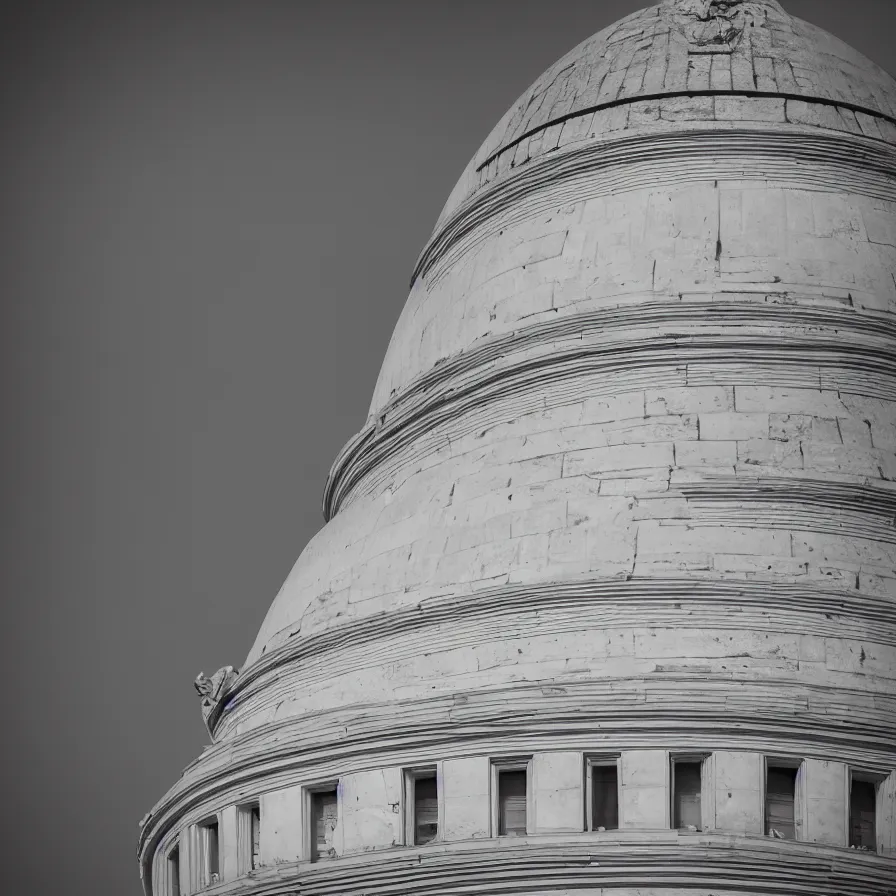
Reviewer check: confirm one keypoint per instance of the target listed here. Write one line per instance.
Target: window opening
(512, 794)
(780, 802)
(424, 805)
(603, 795)
(687, 786)
(174, 871)
(863, 813)
(208, 850)
(324, 817)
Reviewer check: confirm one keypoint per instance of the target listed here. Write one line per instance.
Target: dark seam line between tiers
(679, 94)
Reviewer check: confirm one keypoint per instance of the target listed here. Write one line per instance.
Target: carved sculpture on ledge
(211, 690)
(715, 26)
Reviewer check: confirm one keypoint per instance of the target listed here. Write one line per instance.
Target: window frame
(799, 791)
(245, 853)
(602, 760)
(498, 767)
(173, 869)
(309, 849)
(409, 779)
(204, 873)
(877, 780)
(702, 759)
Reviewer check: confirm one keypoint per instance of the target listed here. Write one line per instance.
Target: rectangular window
(780, 801)
(602, 794)
(512, 792)
(687, 787)
(421, 806)
(249, 837)
(209, 869)
(863, 812)
(174, 871)
(255, 832)
(324, 817)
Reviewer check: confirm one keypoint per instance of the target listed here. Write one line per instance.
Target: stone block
(618, 458)
(686, 400)
(737, 783)
(558, 784)
(825, 790)
(657, 538)
(644, 796)
(467, 786)
(706, 454)
(371, 810)
(282, 833)
(733, 108)
(775, 400)
(730, 426)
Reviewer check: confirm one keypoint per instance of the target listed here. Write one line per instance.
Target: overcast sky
(211, 212)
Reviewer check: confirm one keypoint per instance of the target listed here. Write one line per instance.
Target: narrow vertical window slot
(780, 801)
(174, 871)
(324, 818)
(687, 786)
(255, 836)
(426, 809)
(210, 872)
(863, 812)
(512, 800)
(602, 795)
(249, 837)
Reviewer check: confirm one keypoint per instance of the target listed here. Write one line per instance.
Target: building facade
(606, 600)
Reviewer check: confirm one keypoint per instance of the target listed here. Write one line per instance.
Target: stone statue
(714, 26)
(211, 690)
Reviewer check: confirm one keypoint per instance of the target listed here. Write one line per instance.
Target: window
(511, 787)
(209, 870)
(863, 811)
(249, 837)
(421, 806)
(780, 799)
(173, 870)
(687, 787)
(324, 815)
(602, 794)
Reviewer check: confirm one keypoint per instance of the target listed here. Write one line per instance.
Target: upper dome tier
(669, 48)
(683, 65)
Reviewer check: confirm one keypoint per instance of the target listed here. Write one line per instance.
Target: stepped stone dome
(606, 599)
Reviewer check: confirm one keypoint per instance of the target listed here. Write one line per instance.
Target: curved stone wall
(627, 489)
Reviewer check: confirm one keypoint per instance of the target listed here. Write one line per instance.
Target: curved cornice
(564, 350)
(838, 161)
(822, 611)
(709, 862)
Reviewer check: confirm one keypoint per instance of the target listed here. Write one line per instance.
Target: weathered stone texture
(627, 488)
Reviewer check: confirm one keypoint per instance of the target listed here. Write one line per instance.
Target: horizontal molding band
(684, 94)
(827, 612)
(533, 358)
(717, 863)
(831, 161)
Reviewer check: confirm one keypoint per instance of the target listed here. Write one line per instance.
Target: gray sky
(211, 212)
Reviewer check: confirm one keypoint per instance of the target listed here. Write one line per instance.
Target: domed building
(606, 600)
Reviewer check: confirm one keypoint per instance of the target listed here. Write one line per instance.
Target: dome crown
(688, 47)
